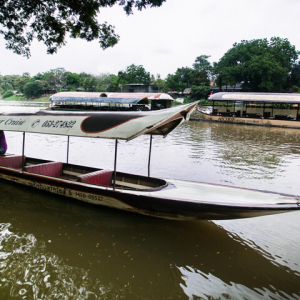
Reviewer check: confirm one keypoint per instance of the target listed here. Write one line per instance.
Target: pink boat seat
(14, 161)
(53, 169)
(102, 177)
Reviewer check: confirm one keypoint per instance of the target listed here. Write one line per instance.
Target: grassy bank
(22, 98)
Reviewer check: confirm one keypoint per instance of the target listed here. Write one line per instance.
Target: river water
(57, 248)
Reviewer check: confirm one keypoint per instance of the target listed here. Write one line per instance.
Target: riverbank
(23, 99)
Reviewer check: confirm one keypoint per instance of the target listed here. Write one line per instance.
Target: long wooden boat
(164, 198)
(236, 108)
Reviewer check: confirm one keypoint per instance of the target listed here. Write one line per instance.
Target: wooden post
(68, 149)
(23, 151)
(115, 164)
(149, 155)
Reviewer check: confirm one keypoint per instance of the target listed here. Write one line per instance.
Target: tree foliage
(7, 94)
(20, 81)
(295, 75)
(157, 83)
(196, 78)
(180, 80)
(33, 89)
(261, 65)
(56, 78)
(134, 74)
(6, 83)
(202, 64)
(73, 80)
(50, 21)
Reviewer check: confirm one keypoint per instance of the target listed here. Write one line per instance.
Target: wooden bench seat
(12, 161)
(53, 169)
(101, 177)
(131, 185)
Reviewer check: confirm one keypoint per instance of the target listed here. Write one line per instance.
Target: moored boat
(100, 101)
(254, 109)
(165, 198)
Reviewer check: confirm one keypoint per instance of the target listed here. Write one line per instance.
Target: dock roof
(257, 97)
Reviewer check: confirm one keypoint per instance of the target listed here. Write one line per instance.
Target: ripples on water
(56, 248)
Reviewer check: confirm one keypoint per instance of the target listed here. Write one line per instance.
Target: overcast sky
(166, 38)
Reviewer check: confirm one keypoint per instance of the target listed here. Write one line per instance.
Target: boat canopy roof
(120, 98)
(257, 97)
(111, 125)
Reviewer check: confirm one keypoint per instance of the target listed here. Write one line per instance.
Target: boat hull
(180, 200)
(251, 121)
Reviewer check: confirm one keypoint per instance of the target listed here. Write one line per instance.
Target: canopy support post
(23, 152)
(68, 149)
(150, 149)
(115, 164)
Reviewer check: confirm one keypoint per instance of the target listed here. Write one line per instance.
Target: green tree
(180, 80)
(56, 78)
(7, 94)
(261, 65)
(158, 84)
(134, 74)
(20, 81)
(202, 64)
(73, 81)
(103, 81)
(89, 84)
(33, 89)
(113, 83)
(7, 83)
(196, 78)
(295, 75)
(200, 92)
(50, 22)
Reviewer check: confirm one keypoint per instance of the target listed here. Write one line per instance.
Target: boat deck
(218, 194)
(89, 175)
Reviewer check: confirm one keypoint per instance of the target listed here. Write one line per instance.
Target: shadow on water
(56, 248)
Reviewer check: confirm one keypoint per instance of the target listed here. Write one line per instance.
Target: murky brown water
(56, 248)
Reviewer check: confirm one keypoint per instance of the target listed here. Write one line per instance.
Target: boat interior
(76, 173)
(245, 114)
(82, 107)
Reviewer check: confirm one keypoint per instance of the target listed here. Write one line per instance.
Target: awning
(117, 98)
(110, 125)
(257, 97)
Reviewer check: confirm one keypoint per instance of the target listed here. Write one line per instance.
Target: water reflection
(199, 285)
(54, 247)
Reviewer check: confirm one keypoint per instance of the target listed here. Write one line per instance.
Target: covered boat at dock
(100, 101)
(158, 197)
(238, 108)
